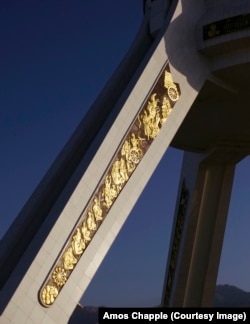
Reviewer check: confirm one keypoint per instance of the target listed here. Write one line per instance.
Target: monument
(178, 85)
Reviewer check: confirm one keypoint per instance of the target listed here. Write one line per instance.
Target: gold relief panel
(141, 134)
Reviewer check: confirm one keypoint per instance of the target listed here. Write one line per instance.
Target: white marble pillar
(201, 243)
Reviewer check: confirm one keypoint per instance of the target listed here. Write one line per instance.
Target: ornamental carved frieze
(146, 126)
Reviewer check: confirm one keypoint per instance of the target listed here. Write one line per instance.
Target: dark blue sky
(56, 56)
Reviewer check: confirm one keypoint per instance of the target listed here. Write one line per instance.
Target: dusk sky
(56, 56)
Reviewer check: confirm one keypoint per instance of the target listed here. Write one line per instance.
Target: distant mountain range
(225, 296)
(230, 296)
(86, 315)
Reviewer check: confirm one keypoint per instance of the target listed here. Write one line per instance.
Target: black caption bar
(152, 315)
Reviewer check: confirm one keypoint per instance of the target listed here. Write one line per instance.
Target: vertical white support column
(209, 235)
(201, 245)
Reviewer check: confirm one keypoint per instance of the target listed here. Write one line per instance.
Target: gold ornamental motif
(49, 294)
(59, 276)
(171, 87)
(173, 93)
(68, 259)
(139, 137)
(151, 118)
(97, 209)
(85, 233)
(78, 244)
